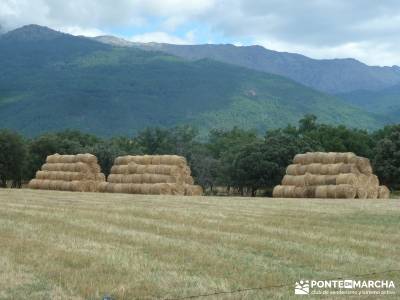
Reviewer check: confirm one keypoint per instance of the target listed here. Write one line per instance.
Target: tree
(386, 160)
(107, 151)
(13, 154)
(47, 144)
(263, 163)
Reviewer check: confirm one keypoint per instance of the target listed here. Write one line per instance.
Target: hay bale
(65, 176)
(345, 157)
(102, 187)
(66, 167)
(364, 165)
(346, 191)
(119, 169)
(151, 160)
(373, 180)
(321, 192)
(296, 169)
(342, 191)
(87, 158)
(134, 168)
(362, 192)
(277, 192)
(100, 177)
(347, 178)
(373, 192)
(383, 192)
(314, 180)
(299, 180)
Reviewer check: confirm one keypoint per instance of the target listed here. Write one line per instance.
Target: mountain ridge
(75, 82)
(332, 76)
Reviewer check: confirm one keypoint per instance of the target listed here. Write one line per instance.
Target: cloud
(364, 29)
(162, 37)
(76, 30)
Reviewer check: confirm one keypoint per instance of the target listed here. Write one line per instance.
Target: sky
(367, 30)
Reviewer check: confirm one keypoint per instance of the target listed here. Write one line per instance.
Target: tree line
(235, 158)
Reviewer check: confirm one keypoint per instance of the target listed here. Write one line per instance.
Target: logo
(302, 287)
(344, 287)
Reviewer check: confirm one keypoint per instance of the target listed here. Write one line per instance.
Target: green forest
(236, 158)
(52, 81)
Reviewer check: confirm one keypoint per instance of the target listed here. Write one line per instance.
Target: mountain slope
(328, 75)
(74, 82)
(385, 102)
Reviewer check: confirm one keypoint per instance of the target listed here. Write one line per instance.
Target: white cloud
(76, 30)
(162, 37)
(364, 29)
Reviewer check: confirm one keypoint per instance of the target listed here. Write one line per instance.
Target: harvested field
(65, 245)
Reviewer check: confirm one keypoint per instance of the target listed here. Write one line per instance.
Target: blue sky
(367, 30)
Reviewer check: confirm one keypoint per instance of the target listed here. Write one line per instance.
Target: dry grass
(61, 245)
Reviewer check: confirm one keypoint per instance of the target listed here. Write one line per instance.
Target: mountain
(52, 81)
(384, 102)
(332, 76)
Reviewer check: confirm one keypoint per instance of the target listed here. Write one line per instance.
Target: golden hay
(362, 193)
(373, 192)
(383, 192)
(324, 158)
(64, 167)
(84, 158)
(66, 176)
(281, 191)
(342, 191)
(151, 160)
(73, 186)
(134, 168)
(119, 169)
(143, 178)
(320, 169)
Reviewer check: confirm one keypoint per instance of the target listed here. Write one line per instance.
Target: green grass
(60, 245)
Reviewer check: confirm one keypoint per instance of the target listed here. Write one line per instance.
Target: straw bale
(383, 192)
(373, 180)
(299, 180)
(134, 168)
(373, 192)
(151, 160)
(119, 169)
(100, 177)
(60, 175)
(347, 178)
(344, 191)
(87, 158)
(102, 187)
(362, 192)
(364, 165)
(64, 167)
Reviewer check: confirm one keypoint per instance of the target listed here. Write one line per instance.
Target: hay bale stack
(77, 173)
(330, 175)
(151, 174)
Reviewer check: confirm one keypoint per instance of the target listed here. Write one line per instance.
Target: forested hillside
(51, 81)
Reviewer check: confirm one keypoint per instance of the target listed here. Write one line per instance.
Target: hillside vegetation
(51, 81)
(384, 102)
(328, 75)
(60, 245)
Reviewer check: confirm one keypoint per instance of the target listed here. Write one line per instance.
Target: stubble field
(62, 245)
